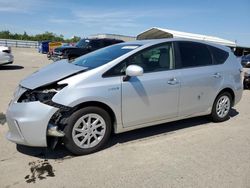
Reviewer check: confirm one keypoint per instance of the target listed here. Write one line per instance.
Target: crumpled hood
(51, 73)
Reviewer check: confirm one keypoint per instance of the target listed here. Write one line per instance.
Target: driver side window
(154, 59)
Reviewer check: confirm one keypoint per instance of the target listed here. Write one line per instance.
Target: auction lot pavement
(188, 153)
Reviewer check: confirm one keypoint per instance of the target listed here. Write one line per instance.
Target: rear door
(200, 78)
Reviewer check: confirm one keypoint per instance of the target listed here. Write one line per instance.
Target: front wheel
(88, 130)
(221, 107)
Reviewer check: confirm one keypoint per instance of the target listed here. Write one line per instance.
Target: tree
(39, 37)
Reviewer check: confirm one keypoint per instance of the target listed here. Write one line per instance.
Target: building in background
(113, 36)
(159, 33)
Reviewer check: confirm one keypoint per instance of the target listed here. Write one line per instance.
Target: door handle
(217, 75)
(172, 81)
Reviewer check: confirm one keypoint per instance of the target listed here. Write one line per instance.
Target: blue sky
(228, 19)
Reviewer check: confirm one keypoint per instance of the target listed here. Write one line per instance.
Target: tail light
(7, 50)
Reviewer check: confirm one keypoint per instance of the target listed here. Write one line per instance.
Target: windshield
(82, 43)
(104, 55)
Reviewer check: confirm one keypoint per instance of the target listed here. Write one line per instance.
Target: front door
(154, 95)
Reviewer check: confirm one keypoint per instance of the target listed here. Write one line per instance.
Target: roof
(113, 36)
(150, 42)
(158, 33)
(110, 34)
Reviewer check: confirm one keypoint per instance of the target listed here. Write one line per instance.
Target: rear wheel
(221, 107)
(87, 131)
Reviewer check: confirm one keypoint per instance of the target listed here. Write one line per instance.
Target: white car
(5, 55)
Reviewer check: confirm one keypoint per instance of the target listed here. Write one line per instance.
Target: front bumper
(28, 123)
(57, 56)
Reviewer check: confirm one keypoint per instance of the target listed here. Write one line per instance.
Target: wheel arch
(100, 105)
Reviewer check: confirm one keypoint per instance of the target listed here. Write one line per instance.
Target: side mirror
(133, 70)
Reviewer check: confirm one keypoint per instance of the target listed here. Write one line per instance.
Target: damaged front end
(56, 126)
(32, 116)
(57, 122)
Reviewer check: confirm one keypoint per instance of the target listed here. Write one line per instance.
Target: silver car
(6, 56)
(123, 87)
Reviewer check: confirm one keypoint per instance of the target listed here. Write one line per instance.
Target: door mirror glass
(134, 70)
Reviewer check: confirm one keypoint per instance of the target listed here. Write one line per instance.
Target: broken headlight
(42, 94)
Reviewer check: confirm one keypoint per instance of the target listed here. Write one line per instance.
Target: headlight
(42, 94)
(19, 91)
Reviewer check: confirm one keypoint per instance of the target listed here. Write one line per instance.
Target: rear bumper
(28, 123)
(6, 58)
(238, 95)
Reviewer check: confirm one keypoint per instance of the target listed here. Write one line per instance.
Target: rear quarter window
(219, 56)
(194, 54)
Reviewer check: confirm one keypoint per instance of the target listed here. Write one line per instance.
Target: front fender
(72, 97)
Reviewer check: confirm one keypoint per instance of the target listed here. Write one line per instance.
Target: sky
(228, 19)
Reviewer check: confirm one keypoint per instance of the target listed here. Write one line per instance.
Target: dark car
(245, 62)
(82, 47)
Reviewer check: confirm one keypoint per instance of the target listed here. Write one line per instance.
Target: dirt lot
(189, 153)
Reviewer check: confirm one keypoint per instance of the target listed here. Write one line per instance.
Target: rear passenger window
(194, 54)
(220, 56)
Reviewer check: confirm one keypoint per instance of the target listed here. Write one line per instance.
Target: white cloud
(94, 18)
(14, 6)
(24, 6)
(120, 18)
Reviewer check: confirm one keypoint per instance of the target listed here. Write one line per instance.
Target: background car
(5, 55)
(245, 62)
(82, 47)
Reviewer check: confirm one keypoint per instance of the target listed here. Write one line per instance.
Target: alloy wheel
(223, 106)
(88, 130)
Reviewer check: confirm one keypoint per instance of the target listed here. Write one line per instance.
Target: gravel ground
(188, 153)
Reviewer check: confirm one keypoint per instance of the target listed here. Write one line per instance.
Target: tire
(219, 106)
(87, 130)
